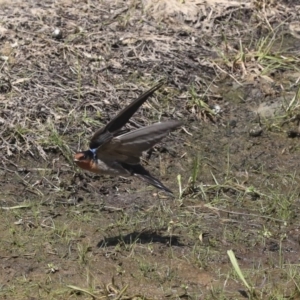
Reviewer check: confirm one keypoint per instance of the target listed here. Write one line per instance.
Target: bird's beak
(78, 156)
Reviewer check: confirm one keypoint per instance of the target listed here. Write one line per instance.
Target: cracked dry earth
(67, 67)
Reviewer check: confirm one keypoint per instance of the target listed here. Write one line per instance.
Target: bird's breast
(99, 166)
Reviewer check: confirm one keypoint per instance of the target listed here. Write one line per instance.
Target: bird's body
(113, 152)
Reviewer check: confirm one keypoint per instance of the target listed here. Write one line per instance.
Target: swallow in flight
(117, 152)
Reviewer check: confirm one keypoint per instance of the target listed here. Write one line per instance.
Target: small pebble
(255, 131)
(57, 34)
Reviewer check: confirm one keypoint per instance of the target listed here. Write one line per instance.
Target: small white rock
(57, 34)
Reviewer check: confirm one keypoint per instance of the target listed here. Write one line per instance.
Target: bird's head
(84, 160)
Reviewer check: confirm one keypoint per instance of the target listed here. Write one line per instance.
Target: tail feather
(141, 172)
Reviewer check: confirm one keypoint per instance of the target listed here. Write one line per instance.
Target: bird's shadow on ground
(143, 237)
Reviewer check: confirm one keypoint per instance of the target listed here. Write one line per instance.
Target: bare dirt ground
(232, 72)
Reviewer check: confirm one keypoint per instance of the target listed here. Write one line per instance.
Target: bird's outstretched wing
(129, 147)
(105, 134)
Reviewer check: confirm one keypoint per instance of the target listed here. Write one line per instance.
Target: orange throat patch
(86, 164)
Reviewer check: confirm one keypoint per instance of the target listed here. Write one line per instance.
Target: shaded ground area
(232, 72)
